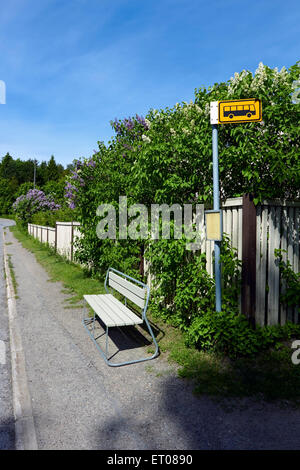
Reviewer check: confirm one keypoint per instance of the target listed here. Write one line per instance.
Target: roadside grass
(270, 376)
(8, 216)
(12, 275)
(75, 281)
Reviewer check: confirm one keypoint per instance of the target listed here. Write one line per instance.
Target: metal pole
(216, 207)
(34, 174)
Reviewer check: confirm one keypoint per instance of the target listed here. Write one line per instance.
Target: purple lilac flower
(91, 162)
(129, 124)
(128, 147)
(37, 200)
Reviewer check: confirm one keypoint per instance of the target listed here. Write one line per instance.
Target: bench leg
(94, 325)
(106, 343)
(86, 321)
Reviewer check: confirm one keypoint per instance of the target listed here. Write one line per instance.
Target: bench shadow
(123, 342)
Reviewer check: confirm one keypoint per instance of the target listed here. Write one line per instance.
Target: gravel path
(80, 403)
(7, 437)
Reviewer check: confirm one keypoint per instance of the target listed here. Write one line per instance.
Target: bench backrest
(130, 290)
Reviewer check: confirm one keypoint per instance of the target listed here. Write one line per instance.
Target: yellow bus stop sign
(230, 111)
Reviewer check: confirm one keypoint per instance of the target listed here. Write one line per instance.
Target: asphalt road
(79, 402)
(7, 436)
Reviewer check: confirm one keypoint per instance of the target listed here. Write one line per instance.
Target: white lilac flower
(283, 75)
(260, 69)
(172, 131)
(145, 138)
(185, 131)
(148, 123)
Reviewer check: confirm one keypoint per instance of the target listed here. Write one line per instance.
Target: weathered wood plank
(283, 246)
(290, 253)
(261, 284)
(259, 298)
(229, 225)
(273, 269)
(240, 233)
(297, 254)
(235, 228)
(249, 258)
(208, 257)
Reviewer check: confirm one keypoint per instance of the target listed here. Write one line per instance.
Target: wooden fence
(274, 225)
(60, 237)
(277, 226)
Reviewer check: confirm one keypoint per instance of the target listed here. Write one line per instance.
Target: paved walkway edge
(24, 423)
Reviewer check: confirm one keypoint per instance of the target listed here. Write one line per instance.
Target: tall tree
(52, 169)
(7, 167)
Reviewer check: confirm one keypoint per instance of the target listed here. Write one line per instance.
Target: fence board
(261, 265)
(283, 246)
(229, 224)
(273, 269)
(290, 254)
(260, 307)
(235, 228)
(296, 255)
(240, 233)
(208, 249)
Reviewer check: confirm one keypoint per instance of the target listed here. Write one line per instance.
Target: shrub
(229, 332)
(50, 217)
(292, 288)
(34, 201)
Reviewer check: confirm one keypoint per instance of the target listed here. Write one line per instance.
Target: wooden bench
(114, 313)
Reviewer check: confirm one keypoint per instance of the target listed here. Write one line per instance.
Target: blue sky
(71, 66)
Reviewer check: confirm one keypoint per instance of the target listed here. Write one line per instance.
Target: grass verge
(271, 375)
(12, 274)
(75, 281)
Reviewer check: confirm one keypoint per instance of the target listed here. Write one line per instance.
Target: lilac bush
(34, 201)
(75, 180)
(129, 131)
(124, 127)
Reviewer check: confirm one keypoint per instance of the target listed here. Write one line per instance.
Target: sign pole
(226, 112)
(216, 194)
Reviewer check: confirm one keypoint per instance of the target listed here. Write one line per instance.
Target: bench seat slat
(120, 310)
(102, 309)
(91, 300)
(111, 311)
(127, 293)
(135, 289)
(118, 305)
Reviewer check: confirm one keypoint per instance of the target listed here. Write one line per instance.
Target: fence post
(55, 237)
(72, 238)
(249, 258)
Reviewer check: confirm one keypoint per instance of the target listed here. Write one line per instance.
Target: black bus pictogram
(239, 110)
